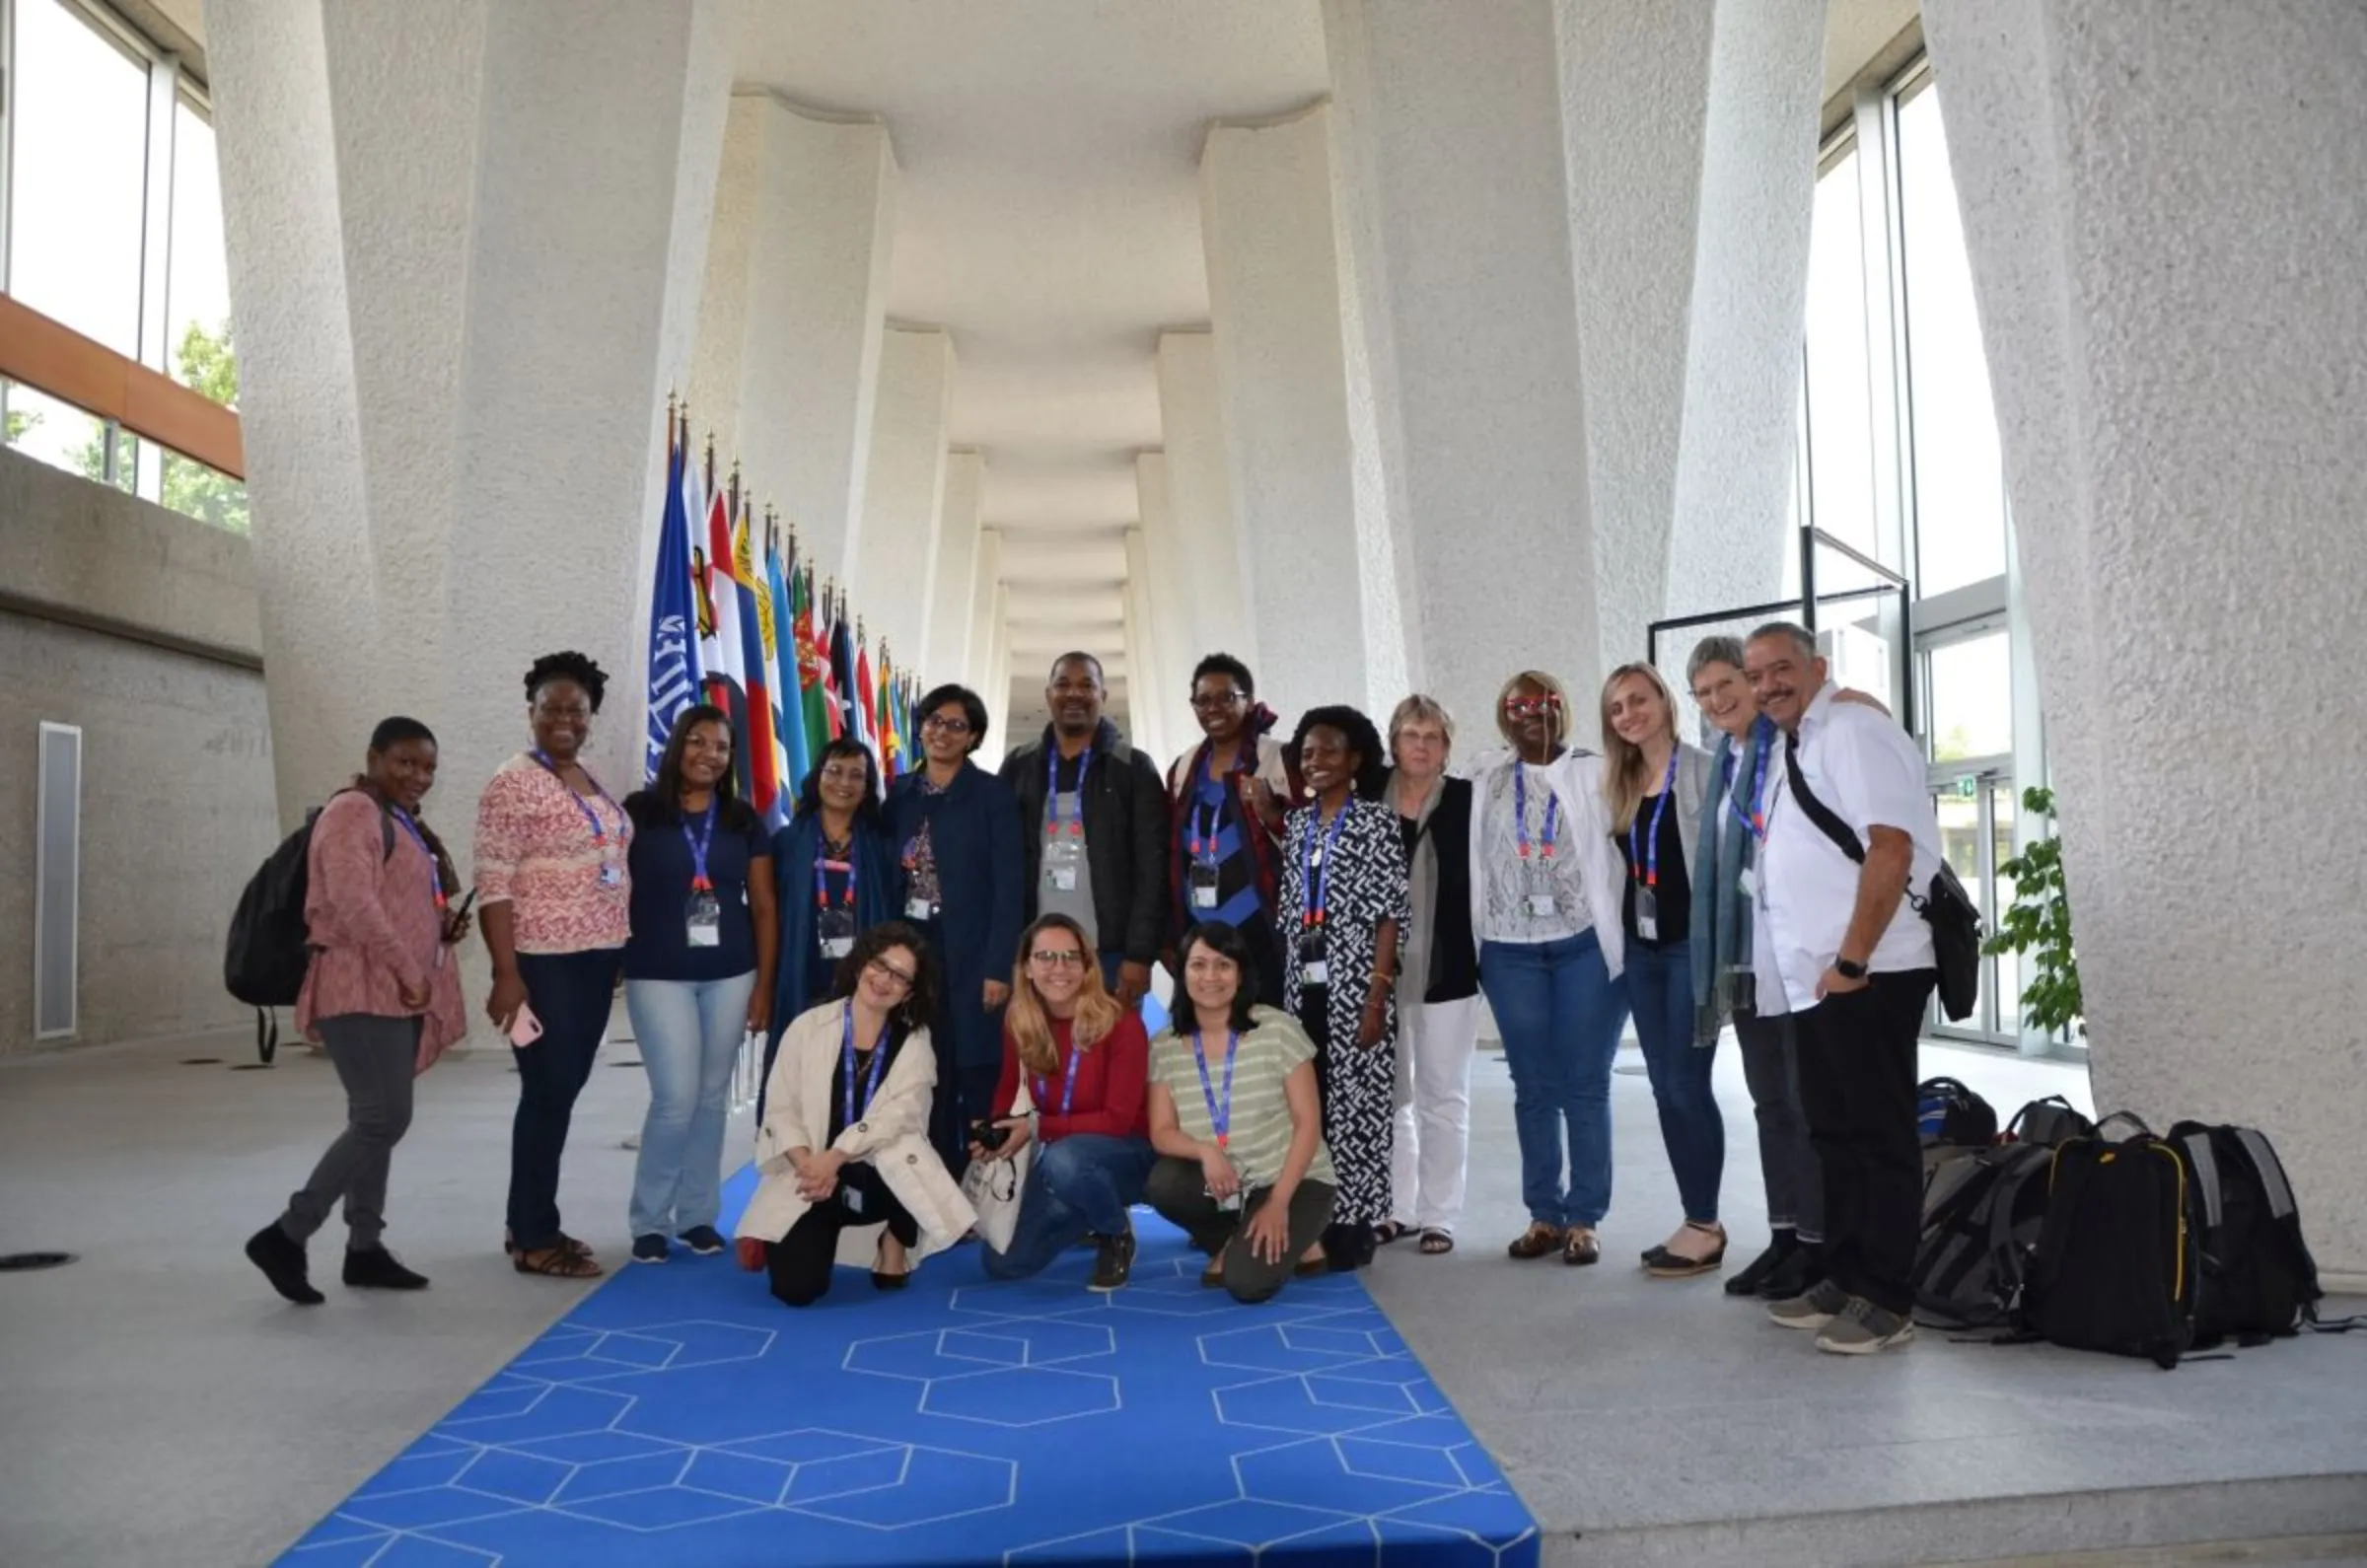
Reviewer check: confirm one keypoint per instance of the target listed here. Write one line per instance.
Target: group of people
(948, 972)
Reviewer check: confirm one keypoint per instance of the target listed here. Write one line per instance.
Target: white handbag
(994, 1187)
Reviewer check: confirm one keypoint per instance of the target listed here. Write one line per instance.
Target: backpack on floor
(2119, 1266)
(268, 949)
(2047, 1122)
(1950, 1114)
(1981, 1218)
(2259, 1280)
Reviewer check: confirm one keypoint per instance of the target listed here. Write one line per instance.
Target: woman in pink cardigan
(382, 994)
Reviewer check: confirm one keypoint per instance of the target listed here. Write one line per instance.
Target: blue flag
(792, 737)
(673, 673)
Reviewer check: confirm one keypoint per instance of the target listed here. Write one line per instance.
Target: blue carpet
(680, 1415)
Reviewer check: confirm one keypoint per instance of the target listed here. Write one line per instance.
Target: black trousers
(800, 1263)
(572, 994)
(1857, 1084)
(963, 1095)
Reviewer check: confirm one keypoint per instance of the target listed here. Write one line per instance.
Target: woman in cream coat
(843, 1154)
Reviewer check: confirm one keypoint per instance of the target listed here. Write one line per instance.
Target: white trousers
(1433, 1126)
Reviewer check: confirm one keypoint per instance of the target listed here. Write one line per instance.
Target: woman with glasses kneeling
(844, 1145)
(1084, 1059)
(1235, 1119)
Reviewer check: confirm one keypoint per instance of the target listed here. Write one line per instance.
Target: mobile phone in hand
(525, 1028)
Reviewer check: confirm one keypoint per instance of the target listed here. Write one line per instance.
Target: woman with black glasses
(837, 877)
(1225, 799)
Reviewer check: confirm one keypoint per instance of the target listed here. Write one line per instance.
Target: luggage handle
(2129, 1116)
(2060, 1102)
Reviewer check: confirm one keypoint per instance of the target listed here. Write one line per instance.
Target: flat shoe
(1579, 1248)
(1538, 1240)
(1672, 1266)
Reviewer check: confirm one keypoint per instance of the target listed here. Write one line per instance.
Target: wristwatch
(1848, 968)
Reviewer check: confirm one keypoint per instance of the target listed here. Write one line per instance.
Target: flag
(788, 716)
(813, 668)
(842, 677)
(727, 676)
(673, 630)
(761, 772)
(867, 702)
(892, 737)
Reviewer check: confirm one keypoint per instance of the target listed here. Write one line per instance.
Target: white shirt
(1576, 780)
(1870, 774)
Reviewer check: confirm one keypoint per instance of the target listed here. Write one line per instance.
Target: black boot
(1780, 1250)
(375, 1269)
(281, 1258)
(1796, 1276)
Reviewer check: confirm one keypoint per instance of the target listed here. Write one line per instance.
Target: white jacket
(892, 1136)
(1577, 777)
(1269, 768)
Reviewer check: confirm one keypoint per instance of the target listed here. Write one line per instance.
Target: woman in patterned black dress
(1343, 901)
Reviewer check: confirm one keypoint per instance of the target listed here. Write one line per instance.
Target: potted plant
(2038, 926)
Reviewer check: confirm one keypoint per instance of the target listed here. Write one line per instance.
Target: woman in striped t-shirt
(1234, 1119)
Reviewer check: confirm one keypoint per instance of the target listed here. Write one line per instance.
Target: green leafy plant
(2038, 926)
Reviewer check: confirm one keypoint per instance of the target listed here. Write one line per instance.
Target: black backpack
(2259, 1280)
(268, 950)
(1948, 1113)
(2119, 1265)
(1981, 1218)
(2047, 1122)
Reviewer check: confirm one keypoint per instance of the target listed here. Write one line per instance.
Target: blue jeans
(689, 1034)
(571, 993)
(1084, 1183)
(1561, 1014)
(1659, 986)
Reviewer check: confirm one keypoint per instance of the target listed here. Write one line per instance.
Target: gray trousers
(1178, 1189)
(376, 1057)
(1786, 1160)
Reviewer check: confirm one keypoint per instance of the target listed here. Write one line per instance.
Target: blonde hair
(1624, 774)
(1029, 1027)
(1551, 688)
(1419, 709)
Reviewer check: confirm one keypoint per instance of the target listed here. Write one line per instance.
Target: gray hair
(1801, 637)
(1718, 649)
(1420, 709)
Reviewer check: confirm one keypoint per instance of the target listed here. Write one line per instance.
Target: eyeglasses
(846, 775)
(1531, 708)
(1064, 958)
(902, 981)
(1216, 700)
(954, 725)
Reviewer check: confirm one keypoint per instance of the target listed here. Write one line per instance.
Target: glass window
(78, 173)
(59, 434)
(1972, 698)
(1960, 478)
(198, 287)
(1841, 422)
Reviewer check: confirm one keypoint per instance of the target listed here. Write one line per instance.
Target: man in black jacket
(1095, 812)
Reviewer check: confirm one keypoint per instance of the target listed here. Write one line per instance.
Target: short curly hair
(567, 665)
(1372, 757)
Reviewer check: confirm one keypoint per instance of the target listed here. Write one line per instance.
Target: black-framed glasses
(1063, 959)
(903, 981)
(1216, 700)
(949, 724)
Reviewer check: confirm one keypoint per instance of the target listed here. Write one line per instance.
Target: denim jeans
(689, 1033)
(1561, 1014)
(571, 993)
(1084, 1183)
(1660, 987)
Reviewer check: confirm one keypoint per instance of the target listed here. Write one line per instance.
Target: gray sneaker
(1821, 1306)
(1863, 1329)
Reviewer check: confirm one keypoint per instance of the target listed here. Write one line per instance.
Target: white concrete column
(1201, 561)
(423, 214)
(945, 655)
(895, 579)
(997, 690)
(796, 292)
(2186, 481)
(1321, 592)
(1150, 685)
(985, 614)
(1176, 611)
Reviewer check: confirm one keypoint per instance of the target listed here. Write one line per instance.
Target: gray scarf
(1721, 925)
(1413, 943)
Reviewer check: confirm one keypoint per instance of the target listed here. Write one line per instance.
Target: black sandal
(1436, 1242)
(1661, 1263)
(557, 1262)
(1389, 1231)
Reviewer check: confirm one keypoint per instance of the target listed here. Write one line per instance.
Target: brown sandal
(1436, 1241)
(1538, 1240)
(509, 1245)
(557, 1262)
(1579, 1248)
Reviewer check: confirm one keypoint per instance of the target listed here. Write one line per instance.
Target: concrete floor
(159, 1406)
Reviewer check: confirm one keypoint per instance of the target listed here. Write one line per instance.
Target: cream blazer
(892, 1136)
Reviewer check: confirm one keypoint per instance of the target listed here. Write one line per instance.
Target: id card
(1063, 860)
(834, 930)
(1647, 913)
(704, 918)
(1204, 885)
(853, 1198)
(918, 909)
(1315, 966)
(610, 874)
(1540, 905)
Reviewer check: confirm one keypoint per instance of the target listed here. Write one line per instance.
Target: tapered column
(946, 652)
(895, 582)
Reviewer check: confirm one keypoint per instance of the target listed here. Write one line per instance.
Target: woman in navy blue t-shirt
(697, 974)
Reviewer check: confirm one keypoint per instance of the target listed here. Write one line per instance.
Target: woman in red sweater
(1086, 1061)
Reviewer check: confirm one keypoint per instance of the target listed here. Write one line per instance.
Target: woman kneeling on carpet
(844, 1145)
(1235, 1119)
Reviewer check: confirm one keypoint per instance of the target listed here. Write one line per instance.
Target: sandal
(1537, 1241)
(557, 1262)
(1436, 1241)
(1661, 1263)
(566, 1243)
(1389, 1231)
(881, 1279)
(1579, 1248)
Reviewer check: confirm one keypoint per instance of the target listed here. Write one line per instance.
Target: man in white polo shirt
(1839, 946)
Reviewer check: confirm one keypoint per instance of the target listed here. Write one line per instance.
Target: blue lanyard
(1520, 812)
(1203, 833)
(698, 848)
(1316, 895)
(1755, 819)
(600, 834)
(846, 1066)
(1220, 1113)
(1068, 1088)
(1052, 788)
(434, 870)
(1644, 862)
(822, 881)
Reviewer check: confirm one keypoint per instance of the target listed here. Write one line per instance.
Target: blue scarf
(1721, 929)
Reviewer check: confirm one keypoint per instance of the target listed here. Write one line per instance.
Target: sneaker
(1863, 1329)
(651, 1248)
(704, 1239)
(1763, 1267)
(375, 1268)
(281, 1258)
(1115, 1264)
(1814, 1309)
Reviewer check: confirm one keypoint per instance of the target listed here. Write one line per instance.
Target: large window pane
(80, 163)
(1972, 698)
(199, 286)
(1840, 427)
(1959, 486)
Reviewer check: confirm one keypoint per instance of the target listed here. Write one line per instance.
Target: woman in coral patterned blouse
(551, 849)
